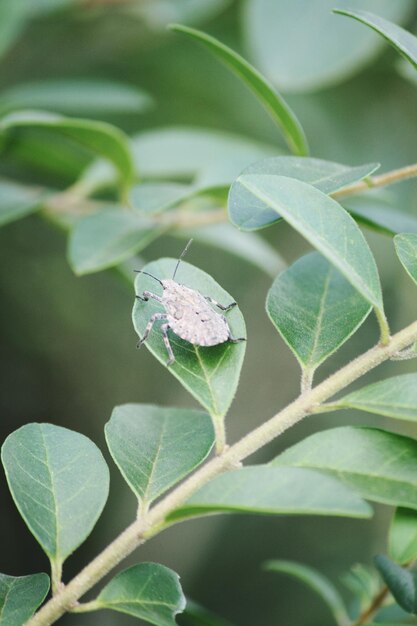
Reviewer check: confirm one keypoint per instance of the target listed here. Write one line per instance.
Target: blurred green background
(67, 344)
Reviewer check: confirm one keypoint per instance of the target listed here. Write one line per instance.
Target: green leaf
(327, 176)
(17, 201)
(274, 491)
(271, 100)
(59, 482)
(148, 591)
(401, 583)
(403, 536)
(154, 198)
(301, 46)
(393, 397)
(380, 214)
(317, 582)
(156, 447)
(324, 223)
(247, 246)
(404, 42)
(108, 237)
(380, 465)
(182, 152)
(406, 249)
(315, 309)
(210, 374)
(20, 597)
(74, 97)
(98, 137)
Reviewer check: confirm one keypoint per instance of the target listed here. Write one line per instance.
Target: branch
(373, 608)
(372, 182)
(154, 521)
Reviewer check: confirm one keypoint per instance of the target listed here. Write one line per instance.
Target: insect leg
(148, 294)
(236, 340)
(164, 330)
(155, 317)
(221, 306)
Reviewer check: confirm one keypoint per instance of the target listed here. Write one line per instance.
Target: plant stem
(306, 380)
(136, 533)
(220, 433)
(373, 608)
(372, 182)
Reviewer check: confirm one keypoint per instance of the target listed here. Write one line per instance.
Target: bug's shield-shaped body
(191, 317)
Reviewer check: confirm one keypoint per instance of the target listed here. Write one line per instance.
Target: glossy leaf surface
(271, 100)
(59, 482)
(155, 447)
(248, 214)
(315, 309)
(108, 237)
(20, 597)
(380, 465)
(393, 397)
(210, 374)
(274, 491)
(148, 591)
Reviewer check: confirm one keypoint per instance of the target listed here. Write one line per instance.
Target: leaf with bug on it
(209, 373)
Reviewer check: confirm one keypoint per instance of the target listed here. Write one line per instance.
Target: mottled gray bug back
(191, 317)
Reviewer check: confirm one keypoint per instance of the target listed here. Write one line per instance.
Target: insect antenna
(183, 253)
(147, 274)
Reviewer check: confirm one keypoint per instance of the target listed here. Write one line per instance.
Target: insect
(188, 314)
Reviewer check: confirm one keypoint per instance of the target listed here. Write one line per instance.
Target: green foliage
(403, 536)
(380, 465)
(315, 309)
(75, 97)
(265, 92)
(108, 237)
(155, 447)
(406, 248)
(403, 41)
(328, 177)
(17, 201)
(59, 482)
(378, 212)
(197, 615)
(148, 591)
(20, 597)
(98, 137)
(285, 31)
(323, 222)
(401, 582)
(274, 491)
(315, 581)
(210, 374)
(394, 397)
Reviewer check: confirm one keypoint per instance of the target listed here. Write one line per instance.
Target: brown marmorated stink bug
(188, 314)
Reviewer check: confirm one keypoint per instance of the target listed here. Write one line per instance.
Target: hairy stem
(153, 521)
(372, 182)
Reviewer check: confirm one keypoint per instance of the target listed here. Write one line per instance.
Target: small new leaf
(155, 447)
(148, 591)
(20, 597)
